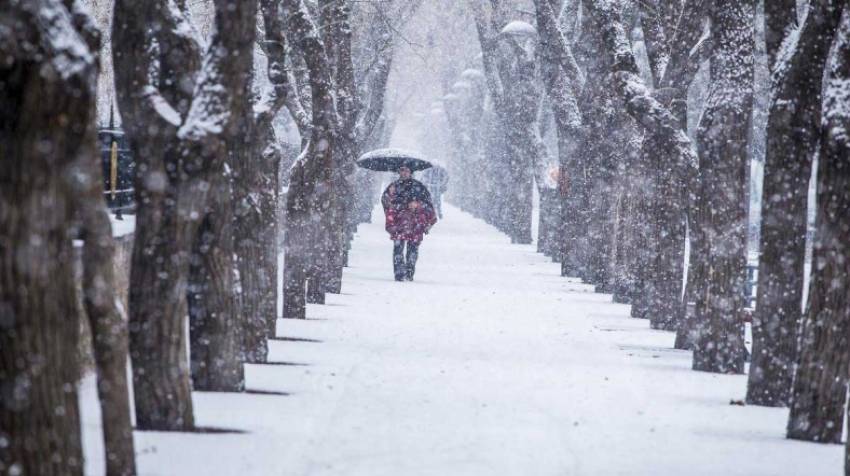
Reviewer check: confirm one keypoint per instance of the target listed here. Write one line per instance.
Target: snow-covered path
(488, 364)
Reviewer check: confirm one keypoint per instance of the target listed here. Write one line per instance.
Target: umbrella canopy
(390, 160)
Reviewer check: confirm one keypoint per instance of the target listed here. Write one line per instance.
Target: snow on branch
(226, 68)
(209, 112)
(161, 106)
(519, 28)
(151, 86)
(644, 108)
(274, 46)
(837, 93)
(303, 32)
(805, 49)
(68, 51)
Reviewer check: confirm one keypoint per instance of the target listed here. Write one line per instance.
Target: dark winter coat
(405, 221)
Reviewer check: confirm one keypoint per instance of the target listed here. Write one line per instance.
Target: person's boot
(399, 267)
(410, 261)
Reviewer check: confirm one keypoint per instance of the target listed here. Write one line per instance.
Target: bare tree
(680, 51)
(221, 94)
(50, 184)
(792, 139)
(106, 315)
(164, 234)
(256, 158)
(819, 393)
(722, 208)
(346, 126)
(178, 114)
(563, 81)
(509, 57)
(660, 124)
(311, 195)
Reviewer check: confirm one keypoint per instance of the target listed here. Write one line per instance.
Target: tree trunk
(820, 386)
(780, 18)
(602, 128)
(107, 320)
(255, 157)
(664, 301)
(215, 330)
(249, 238)
(161, 385)
(107, 317)
(256, 163)
(49, 75)
(643, 228)
(216, 325)
(336, 25)
(676, 57)
(178, 131)
(792, 138)
(311, 195)
(723, 208)
(687, 54)
(657, 120)
(163, 235)
(627, 219)
(511, 80)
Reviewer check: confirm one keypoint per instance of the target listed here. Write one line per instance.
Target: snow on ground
(125, 226)
(489, 363)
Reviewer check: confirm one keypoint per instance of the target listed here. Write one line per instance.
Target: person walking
(409, 214)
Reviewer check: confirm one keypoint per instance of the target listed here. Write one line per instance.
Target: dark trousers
(404, 266)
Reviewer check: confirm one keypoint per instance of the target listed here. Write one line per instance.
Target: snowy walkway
(489, 364)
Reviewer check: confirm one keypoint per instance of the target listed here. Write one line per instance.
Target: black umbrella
(390, 160)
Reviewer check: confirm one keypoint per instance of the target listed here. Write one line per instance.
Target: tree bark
(512, 84)
(256, 160)
(780, 18)
(164, 231)
(336, 25)
(178, 128)
(46, 105)
(820, 385)
(215, 329)
(723, 207)
(652, 115)
(562, 79)
(667, 209)
(311, 190)
(792, 138)
(107, 317)
(221, 95)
